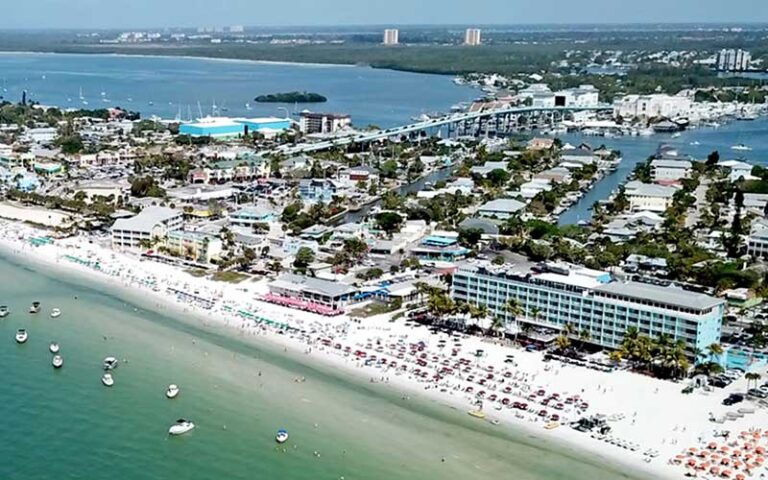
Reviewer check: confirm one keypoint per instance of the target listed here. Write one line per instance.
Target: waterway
(697, 143)
(189, 87)
(63, 424)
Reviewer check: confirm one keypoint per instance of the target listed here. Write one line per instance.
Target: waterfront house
(539, 143)
(501, 209)
(488, 167)
(644, 196)
(148, 225)
(557, 175)
(528, 190)
(334, 295)
(757, 241)
(737, 170)
(317, 190)
(583, 156)
(668, 171)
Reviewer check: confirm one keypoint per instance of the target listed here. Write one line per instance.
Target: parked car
(733, 399)
(756, 392)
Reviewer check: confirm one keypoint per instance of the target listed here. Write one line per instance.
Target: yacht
(107, 379)
(55, 313)
(110, 363)
(741, 148)
(21, 335)
(173, 391)
(282, 436)
(57, 361)
(4, 312)
(35, 307)
(181, 427)
(53, 347)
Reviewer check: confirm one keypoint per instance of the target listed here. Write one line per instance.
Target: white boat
(55, 313)
(4, 312)
(694, 144)
(282, 436)
(53, 347)
(110, 363)
(107, 379)
(173, 391)
(57, 361)
(21, 335)
(181, 427)
(35, 307)
(741, 148)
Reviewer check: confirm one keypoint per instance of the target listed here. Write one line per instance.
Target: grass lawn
(229, 277)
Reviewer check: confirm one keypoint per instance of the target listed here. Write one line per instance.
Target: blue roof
(439, 241)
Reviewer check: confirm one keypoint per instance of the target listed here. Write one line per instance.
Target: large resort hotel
(553, 295)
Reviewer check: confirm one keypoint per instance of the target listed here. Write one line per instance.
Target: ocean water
(189, 87)
(64, 424)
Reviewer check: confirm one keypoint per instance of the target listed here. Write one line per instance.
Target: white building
(391, 36)
(312, 122)
(670, 171)
(648, 197)
(644, 107)
(501, 208)
(733, 60)
(584, 96)
(151, 223)
(472, 37)
(197, 246)
(737, 170)
(757, 241)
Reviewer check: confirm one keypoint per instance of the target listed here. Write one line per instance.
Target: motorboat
(21, 335)
(173, 391)
(4, 312)
(53, 347)
(282, 436)
(55, 313)
(35, 307)
(181, 427)
(58, 361)
(477, 413)
(741, 148)
(110, 363)
(107, 379)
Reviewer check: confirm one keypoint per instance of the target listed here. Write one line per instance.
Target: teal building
(553, 295)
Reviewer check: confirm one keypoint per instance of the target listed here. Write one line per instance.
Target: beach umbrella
(726, 474)
(712, 446)
(740, 476)
(714, 470)
(691, 462)
(760, 450)
(736, 453)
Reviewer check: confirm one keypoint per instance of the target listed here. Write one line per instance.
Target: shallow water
(65, 424)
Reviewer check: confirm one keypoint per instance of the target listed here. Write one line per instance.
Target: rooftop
(313, 285)
(507, 205)
(670, 295)
(146, 220)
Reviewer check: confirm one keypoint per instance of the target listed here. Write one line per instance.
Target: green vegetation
(229, 277)
(292, 97)
(146, 187)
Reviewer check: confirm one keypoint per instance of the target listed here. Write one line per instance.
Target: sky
(191, 13)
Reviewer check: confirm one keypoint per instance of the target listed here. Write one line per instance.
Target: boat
(55, 313)
(552, 425)
(57, 361)
(4, 312)
(107, 379)
(741, 148)
(53, 347)
(695, 143)
(21, 335)
(181, 427)
(477, 413)
(746, 117)
(35, 307)
(173, 391)
(110, 363)
(282, 436)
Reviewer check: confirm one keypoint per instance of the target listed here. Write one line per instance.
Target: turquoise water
(168, 86)
(65, 424)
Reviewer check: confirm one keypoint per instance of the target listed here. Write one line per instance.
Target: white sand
(652, 413)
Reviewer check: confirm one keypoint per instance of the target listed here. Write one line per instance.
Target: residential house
(650, 197)
(317, 190)
(501, 208)
(488, 167)
(667, 171)
(737, 170)
(250, 216)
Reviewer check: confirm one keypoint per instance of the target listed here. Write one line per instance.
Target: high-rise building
(472, 37)
(733, 60)
(391, 36)
(554, 295)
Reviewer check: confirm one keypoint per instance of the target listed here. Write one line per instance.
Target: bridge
(449, 120)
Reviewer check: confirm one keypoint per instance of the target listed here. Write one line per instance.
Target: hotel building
(391, 36)
(151, 223)
(472, 37)
(554, 295)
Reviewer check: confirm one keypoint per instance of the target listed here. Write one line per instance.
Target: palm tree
(715, 350)
(562, 341)
(535, 313)
(752, 377)
(569, 329)
(584, 336)
(497, 325)
(514, 309)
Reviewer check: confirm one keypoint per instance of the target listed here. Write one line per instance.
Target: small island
(291, 97)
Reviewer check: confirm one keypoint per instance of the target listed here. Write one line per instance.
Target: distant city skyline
(93, 14)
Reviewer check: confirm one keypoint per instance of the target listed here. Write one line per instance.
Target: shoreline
(232, 60)
(571, 442)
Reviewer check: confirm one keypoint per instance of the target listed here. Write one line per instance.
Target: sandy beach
(653, 425)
